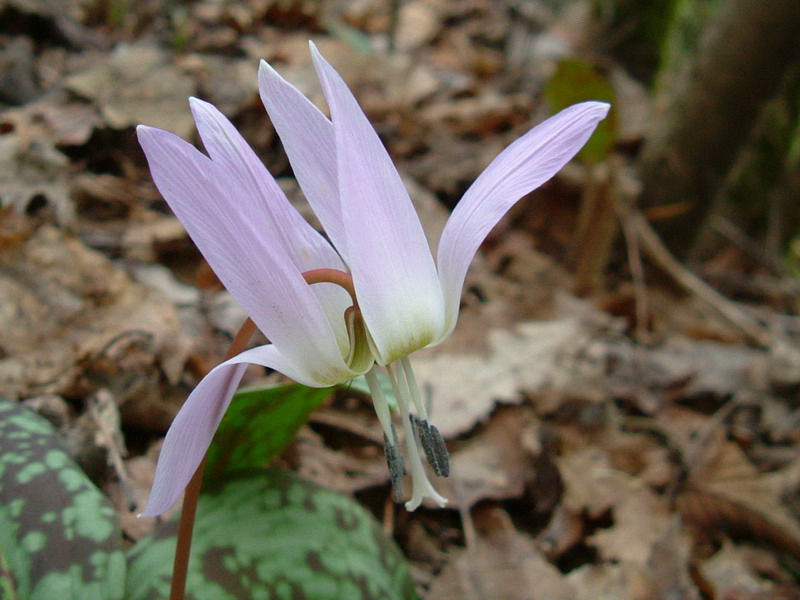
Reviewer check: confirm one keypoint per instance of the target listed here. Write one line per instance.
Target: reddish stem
(340, 278)
(186, 527)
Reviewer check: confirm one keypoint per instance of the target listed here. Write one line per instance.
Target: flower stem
(186, 527)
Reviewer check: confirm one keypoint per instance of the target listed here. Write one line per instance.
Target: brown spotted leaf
(59, 537)
(273, 535)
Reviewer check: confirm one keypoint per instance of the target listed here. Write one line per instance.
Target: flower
(332, 310)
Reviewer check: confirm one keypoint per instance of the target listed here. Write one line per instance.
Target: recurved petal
(194, 426)
(262, 195)
(519, 169)
(254, 268)
(392, 267)
(307, 136)
(262, 199)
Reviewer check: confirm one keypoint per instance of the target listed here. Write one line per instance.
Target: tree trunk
(711, 108)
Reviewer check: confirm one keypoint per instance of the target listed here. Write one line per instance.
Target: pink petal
(516, 171)
(307, 136)
(194, 426)
(261, 197)
(389, 258)
(232, 238)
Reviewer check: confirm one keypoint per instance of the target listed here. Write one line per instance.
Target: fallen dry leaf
(69, 315)
(640, 520)
(71, 123)
(495, 463)
(729, 572)
(228, 83)
(505, 564)
(465, 387)
(591, 485)
(725, 493)
(137, 84)
(337, 470)
(418, 22)
(31, 170)
(669, 563)
(609, 581)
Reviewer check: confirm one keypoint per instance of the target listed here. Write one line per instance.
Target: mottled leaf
(274, 535)
(258, 425)
(59, 538)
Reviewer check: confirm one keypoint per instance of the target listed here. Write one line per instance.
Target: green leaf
(59, 537)
(259, 424)
(576, 81)
(274, 535)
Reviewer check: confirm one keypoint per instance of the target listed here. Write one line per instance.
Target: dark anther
(422, 433)
(441, 464)
(432, 444)
(394, 438)
(394, 459)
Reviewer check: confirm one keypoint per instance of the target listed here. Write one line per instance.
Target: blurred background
(620, 397)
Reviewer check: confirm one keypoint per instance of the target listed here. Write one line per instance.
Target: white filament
(421, 486)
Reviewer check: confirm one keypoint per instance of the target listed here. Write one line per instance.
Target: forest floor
(617, 427)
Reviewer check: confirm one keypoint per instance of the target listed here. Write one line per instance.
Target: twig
(659, 253)
(394, 21)
(472, 579)
(637, 271)
(104, 412)
(388, 516)
(186, 527)
(729, 230)
(596, 230)
(346, 423)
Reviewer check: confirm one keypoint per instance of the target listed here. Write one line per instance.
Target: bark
(634, 32)
(740, 63)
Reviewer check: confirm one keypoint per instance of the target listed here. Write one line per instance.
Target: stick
(659, 253)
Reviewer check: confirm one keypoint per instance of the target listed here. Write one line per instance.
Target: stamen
(394, 458)
(381, 405)
(430, 438)
(422, 433)
(397, 468)
(408, 372)
(422, 487)
(441, 462)
(432, 443)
